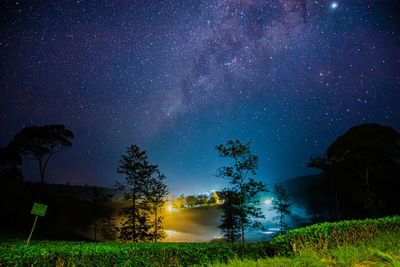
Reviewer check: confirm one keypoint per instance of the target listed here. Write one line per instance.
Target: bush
(324, 236)
(50, 253)
(311, 240)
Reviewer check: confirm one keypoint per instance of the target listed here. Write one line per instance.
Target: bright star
(334, 5)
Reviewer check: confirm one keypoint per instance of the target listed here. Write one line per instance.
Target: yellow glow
(169, 208)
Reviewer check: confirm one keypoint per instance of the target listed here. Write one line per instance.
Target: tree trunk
(336, 198)
(95, 230)
(370, 198)
(242, 226)
(41, 171)
(241, 207)
(134, 237)
(155, 224)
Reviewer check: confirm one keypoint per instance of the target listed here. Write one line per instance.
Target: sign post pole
(38, 210)
(33, 227)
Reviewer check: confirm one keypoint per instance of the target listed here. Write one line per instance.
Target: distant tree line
(192, 201)
(65, 214)
(360, 177)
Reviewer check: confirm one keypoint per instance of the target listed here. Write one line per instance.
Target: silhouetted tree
(230, 227)
(146, 191)
(362, 147)
(190, 201)
(363, 167)
(137, 171)
(244, 164)
(156, 197)
(41, 143)
(281, 205)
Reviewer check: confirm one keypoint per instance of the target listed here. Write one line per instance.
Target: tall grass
(383, 250)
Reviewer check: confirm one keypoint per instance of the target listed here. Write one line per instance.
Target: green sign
(39, 209)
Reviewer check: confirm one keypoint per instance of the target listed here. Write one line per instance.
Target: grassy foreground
(384, 250)
(365, 242)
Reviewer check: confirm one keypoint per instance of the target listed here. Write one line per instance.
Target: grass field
(347, 243)
(384, 250)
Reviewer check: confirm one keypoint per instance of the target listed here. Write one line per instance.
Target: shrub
(324, 236)
(307, 242)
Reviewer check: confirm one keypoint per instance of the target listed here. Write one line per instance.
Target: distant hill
(300, 184)
(81, 192)
(298, 187)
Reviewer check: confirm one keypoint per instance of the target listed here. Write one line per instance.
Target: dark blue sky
(179, 77)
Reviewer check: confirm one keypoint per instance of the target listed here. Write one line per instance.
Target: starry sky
(179, 77)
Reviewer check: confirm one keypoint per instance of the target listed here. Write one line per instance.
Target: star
(334, 5)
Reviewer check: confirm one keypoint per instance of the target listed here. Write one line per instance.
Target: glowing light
(268, 233)
(268, 201)
(334, 5)
(171, 233)
(169, 208)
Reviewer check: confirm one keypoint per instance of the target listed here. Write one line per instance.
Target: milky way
(179, 77)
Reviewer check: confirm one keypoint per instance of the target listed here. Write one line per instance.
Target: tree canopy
(41, 143)
(145, 191)
(362, 167)
(244, 165)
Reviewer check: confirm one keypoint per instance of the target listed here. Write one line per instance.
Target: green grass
(366, 242)
(383, 250)
(325, 236)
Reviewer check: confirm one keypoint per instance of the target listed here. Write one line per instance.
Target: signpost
(38, 210)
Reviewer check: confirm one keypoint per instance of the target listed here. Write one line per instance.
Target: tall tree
(281, 205)
(41, 143)
(238, 174)
(137, 171)
(362, 147)
(156, 197)
(363, 163)
(230, 227)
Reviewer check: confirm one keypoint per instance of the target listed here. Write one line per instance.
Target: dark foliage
(144, 190)
(156, 197)
(281, 205)
(230, 227)
(361, 170)
(41, 143)
(238, 174)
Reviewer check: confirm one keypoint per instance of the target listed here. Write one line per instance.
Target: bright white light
(169, 208)
(268, 201)
(267, 233)
(171, 233)
(334, 5)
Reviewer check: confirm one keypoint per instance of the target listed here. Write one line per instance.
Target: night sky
(179, 77)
